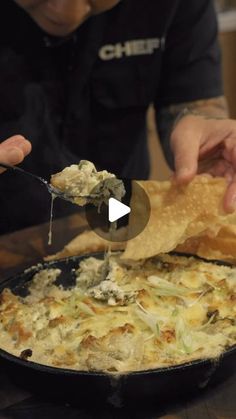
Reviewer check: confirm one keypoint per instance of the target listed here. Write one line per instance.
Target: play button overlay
(117, 210)
(110, 221)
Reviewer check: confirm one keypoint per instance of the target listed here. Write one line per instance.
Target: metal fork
(51, 189)
(95, 198)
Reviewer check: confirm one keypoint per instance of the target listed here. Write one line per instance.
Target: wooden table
(24, 248)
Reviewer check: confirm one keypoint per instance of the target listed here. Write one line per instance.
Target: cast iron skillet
(158, 384)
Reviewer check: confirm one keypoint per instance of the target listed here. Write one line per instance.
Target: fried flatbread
(221, 247)
(89, 242)
(177, 213)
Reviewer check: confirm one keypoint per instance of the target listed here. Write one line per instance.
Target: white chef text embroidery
(131, 48)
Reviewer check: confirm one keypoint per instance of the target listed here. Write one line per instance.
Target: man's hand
(14, 150)
(206, 145)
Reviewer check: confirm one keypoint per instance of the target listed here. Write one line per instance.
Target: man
(77, 77)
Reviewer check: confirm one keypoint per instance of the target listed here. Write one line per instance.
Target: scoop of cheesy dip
(119, 318)
(83, 184)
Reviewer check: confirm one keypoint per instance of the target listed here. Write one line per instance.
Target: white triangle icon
(117, 210)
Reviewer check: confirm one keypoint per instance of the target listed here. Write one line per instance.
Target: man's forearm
(168, 117)
(209, 108)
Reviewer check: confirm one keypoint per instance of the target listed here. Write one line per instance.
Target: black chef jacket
(86, 96)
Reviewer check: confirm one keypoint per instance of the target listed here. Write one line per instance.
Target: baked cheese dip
(119, 318)
(83, 184)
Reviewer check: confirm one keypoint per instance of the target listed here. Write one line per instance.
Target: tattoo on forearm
(167, 117)
(209, 108)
